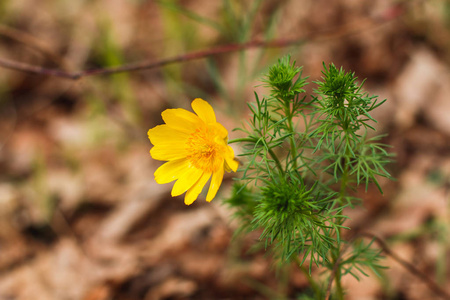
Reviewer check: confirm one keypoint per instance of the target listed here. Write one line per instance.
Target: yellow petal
(204, 110)
(186, 180)
(181, 119)
(163, 134)
(216, 181)
(171, 170)
(196, 189)
(231, 164)
(169, 151)
(221, 132)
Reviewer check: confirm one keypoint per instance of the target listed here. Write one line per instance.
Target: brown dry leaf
(201, 266)
(176, 234)
(101, 292)
(142, 195)
(101, 179)
(64, 272)
(437, 111)
(61, 273)
(67, 186)
(237, 275)
(366, 288)
(417, 86)
(173, 287)
(417, 200)
(128, 213)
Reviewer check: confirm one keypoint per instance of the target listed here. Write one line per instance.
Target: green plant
(303, 156)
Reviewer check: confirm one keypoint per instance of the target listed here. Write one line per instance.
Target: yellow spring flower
(195, 147)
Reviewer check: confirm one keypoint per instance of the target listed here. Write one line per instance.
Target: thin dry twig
(144, 65)
(408, 266)
(349, 29)
(33, 43)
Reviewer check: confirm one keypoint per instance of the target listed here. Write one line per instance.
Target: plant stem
(239, 140)
(344, 181)
(339, 289)
(277, 161)
(342, 192)
(290, 126)
(292, 140)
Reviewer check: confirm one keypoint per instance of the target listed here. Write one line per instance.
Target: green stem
(336, 256)
(337, 279)
(344, 182)
(292, 142)
(277, 161)
(290, 126)
(240, 140)
(342, 193)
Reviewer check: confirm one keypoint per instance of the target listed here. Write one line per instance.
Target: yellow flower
(195, 147)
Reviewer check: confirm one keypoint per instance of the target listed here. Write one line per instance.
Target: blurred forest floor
(80, 214)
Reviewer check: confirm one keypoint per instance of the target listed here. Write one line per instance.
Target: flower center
(205, 153)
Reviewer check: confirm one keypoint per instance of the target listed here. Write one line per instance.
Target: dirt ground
(80, 214)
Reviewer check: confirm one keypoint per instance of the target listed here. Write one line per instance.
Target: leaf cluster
(295, 183)
(291, 217)
(280, 80)
(361, 257)
(343, 122)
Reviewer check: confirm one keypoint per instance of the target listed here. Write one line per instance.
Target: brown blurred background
(80, 214)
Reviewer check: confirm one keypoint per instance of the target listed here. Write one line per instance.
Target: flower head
(196, 148)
